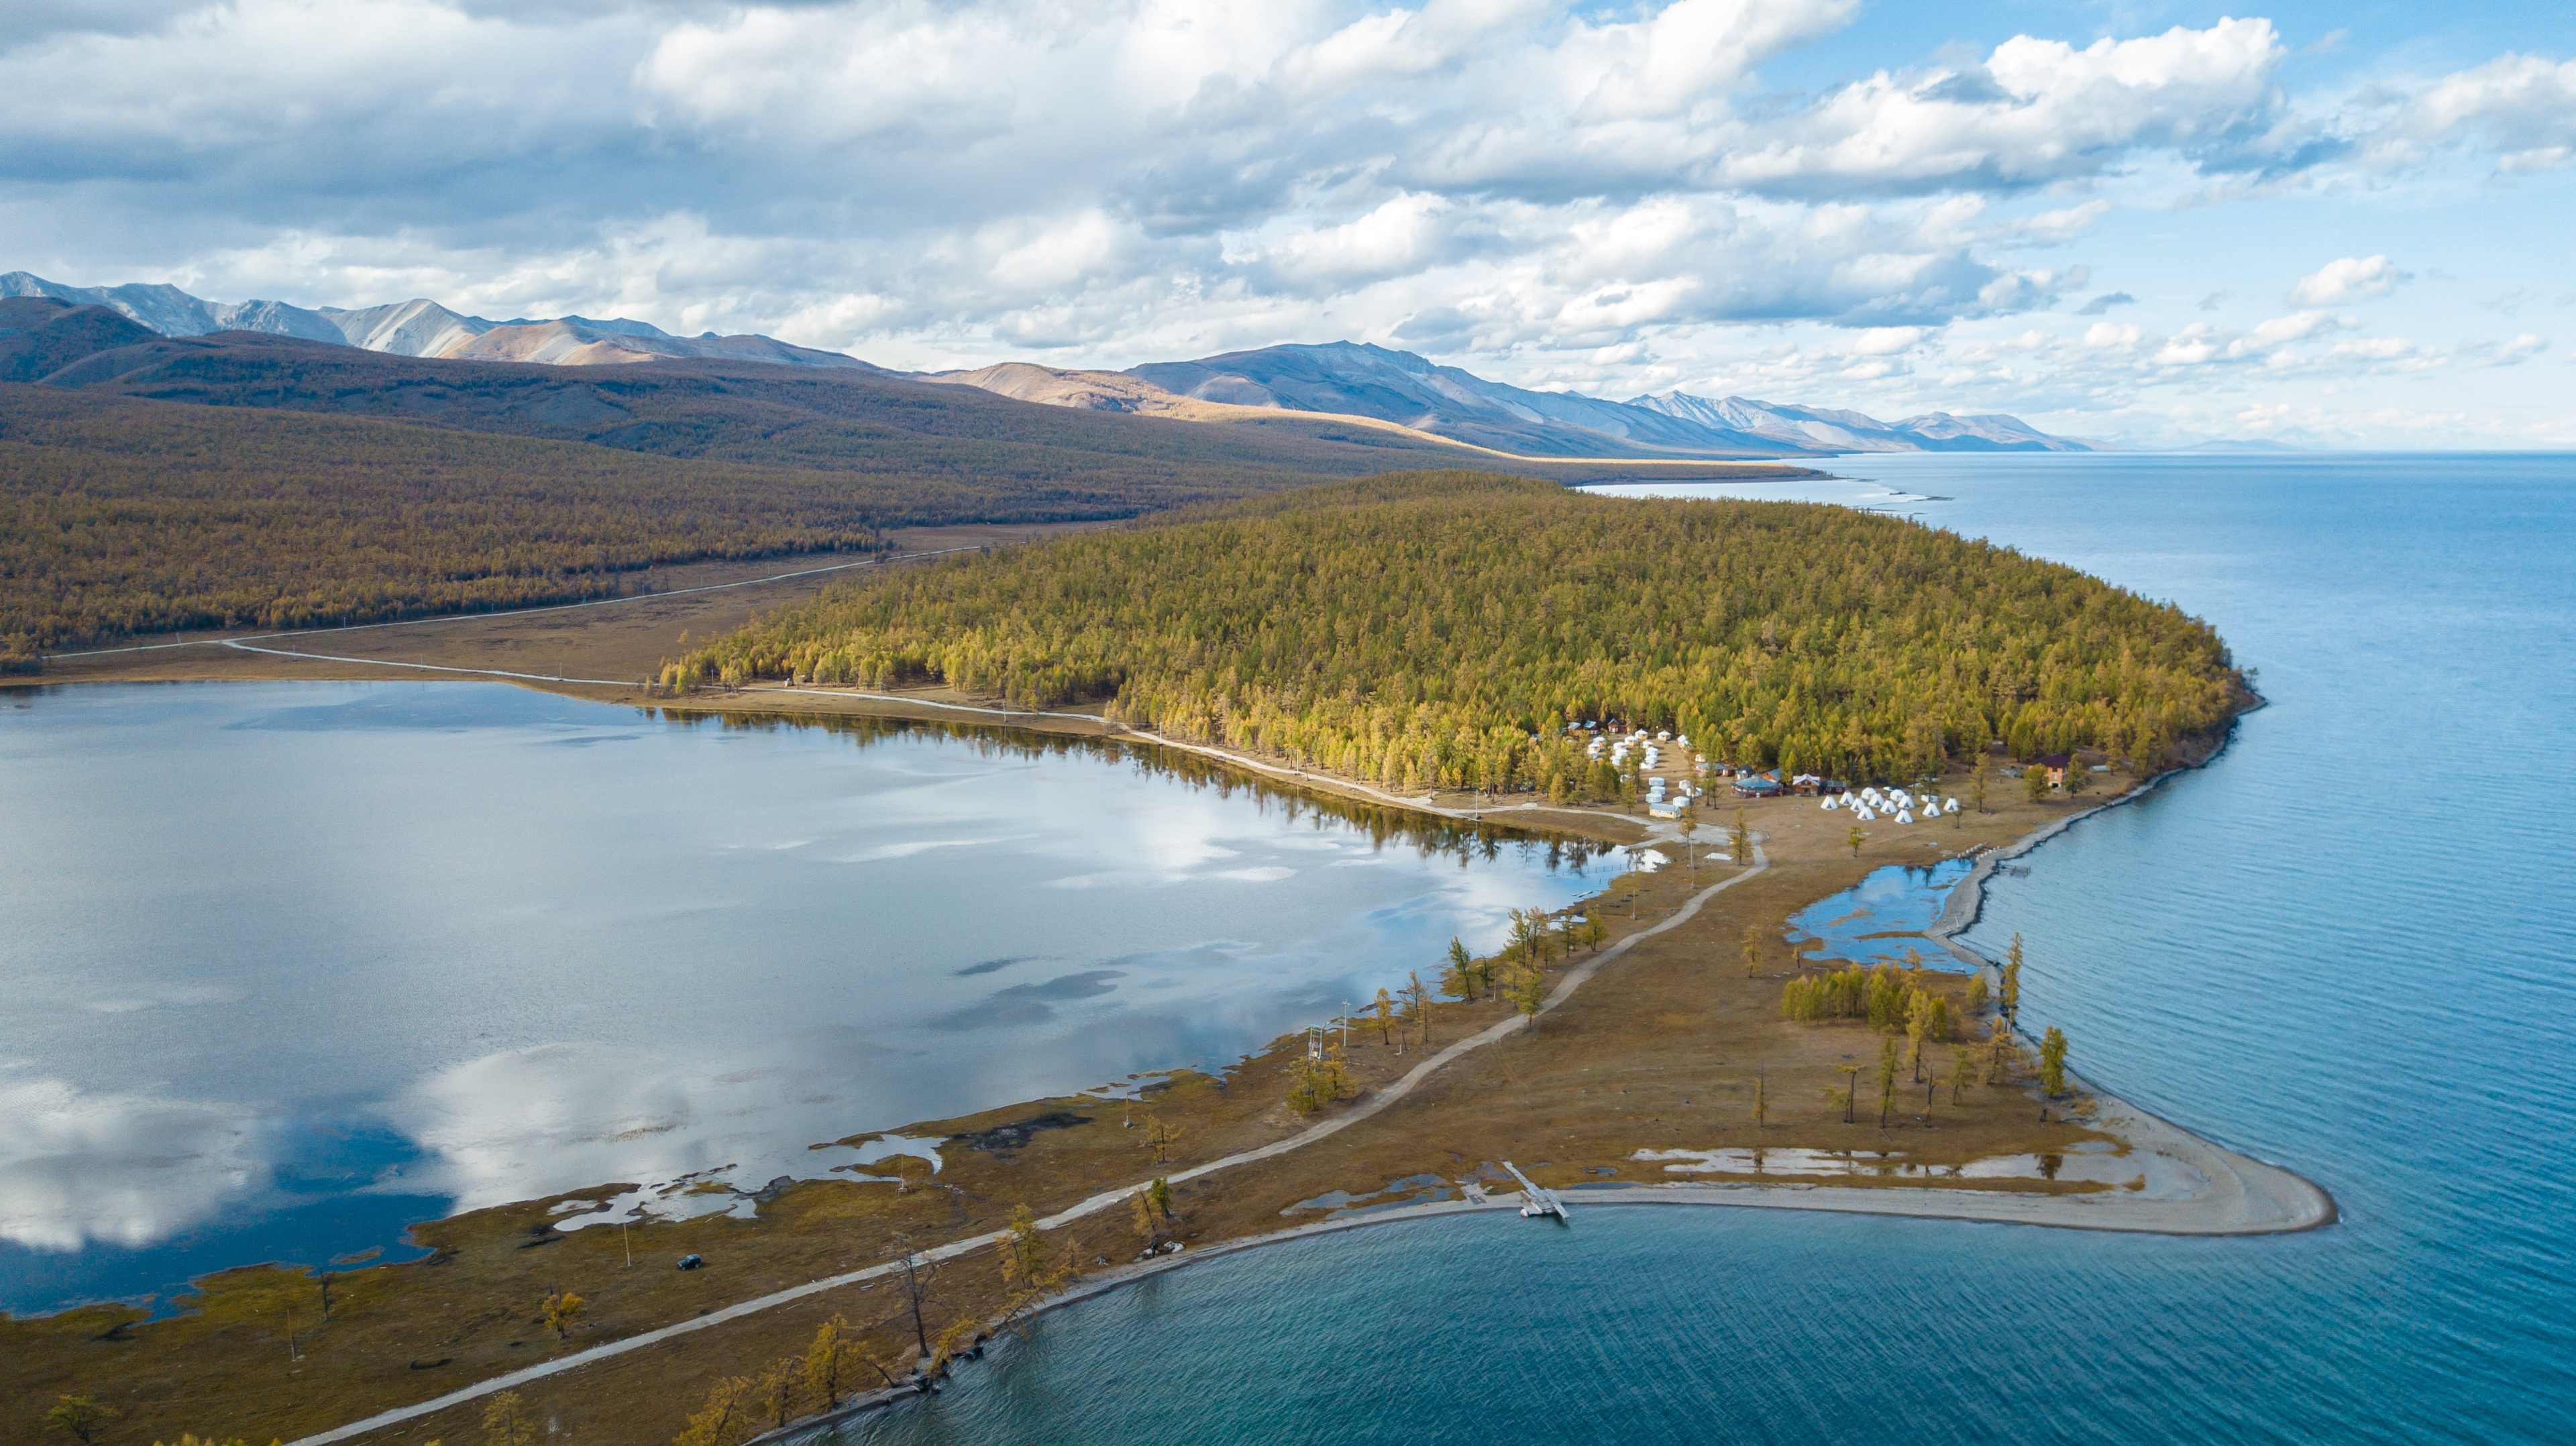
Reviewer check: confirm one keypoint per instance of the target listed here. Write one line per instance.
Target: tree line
(131, 517)
(1420, 628)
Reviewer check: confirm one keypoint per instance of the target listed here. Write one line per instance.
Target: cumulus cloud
(1101, 175)
(1558, 193)
(2035, 111)
(2350, 278)
(2520, 109)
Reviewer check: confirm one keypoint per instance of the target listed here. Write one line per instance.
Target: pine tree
(1458, 979)
(2001, 1052)
(1528, 993)
(717, 1423)
(78, 1417)
(1886, 1080)
(1383, 1010)
(1028, 1262)
(1919, 1013)
(1963, 1072)
(560, 1311)
(1856, 837)
(507, 1421)
(1752, 950)
(1761, 1099)
(2052, 1062)
(828, 1362)
(1740, 845)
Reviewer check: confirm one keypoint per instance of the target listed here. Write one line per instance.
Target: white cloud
(2519, 108)
(2036, 111)
(1600, 198)
(2350, 278)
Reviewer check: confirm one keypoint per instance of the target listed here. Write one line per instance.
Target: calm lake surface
(2348, 946)
(290, 966)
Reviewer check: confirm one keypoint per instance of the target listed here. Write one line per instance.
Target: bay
(2348, 945)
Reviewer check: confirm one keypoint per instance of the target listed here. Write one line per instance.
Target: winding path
(1574, 979)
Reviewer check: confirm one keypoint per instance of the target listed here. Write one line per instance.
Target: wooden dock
(1536, 1199)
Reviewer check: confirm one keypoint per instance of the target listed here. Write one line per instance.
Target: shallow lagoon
(292, 965)
(1881, 919)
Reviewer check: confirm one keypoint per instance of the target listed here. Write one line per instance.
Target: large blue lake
(2348, 946)
(290, 966)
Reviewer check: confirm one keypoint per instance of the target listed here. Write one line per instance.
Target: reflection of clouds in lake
(774, 973)
(156, 996)
(536, 1121)
(124, 1169)
(884, 852)
(694, 1133)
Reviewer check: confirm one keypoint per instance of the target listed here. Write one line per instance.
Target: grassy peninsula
(1417, 630)
(1412, 629)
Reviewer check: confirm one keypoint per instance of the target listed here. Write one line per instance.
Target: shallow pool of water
(1881, 919)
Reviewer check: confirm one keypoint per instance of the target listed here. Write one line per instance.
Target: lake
(2348, 946)
(291, 966)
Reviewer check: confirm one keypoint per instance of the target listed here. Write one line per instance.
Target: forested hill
(1421, 628)
(150, 482)
(119, 517)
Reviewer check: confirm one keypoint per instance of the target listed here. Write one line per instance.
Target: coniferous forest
(1444, 628)
(136, 517)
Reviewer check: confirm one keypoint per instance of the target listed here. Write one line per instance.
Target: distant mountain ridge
(1396, 386)
(1345, 379)
(422, 328)
(1844, 431)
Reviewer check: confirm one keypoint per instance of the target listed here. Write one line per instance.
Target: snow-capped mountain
(422, 328)
(1341, 378)
(1400, 387)
(1830, 430)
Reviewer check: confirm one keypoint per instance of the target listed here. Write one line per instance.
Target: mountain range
(1392, 389)
(423, 329)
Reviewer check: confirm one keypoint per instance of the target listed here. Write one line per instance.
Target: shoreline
(2238, 1195)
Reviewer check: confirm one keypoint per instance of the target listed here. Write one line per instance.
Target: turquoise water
(2349, 945)
(290, 966)
(1881, 919)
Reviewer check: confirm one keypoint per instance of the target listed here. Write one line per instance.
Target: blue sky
(2149, 222)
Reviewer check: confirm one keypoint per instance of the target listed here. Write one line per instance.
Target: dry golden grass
(1659, 1051)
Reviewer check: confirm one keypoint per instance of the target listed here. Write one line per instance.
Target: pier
(1536, 1199)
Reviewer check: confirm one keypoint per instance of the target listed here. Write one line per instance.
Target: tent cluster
(1869, 803)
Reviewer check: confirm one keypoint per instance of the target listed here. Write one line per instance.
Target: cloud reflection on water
(123, 1169)
(518, 970)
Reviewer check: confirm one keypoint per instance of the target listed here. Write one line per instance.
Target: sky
(2342, 225)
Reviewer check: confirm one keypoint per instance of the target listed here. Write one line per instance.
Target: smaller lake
(293, 965)
(1881, 919)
